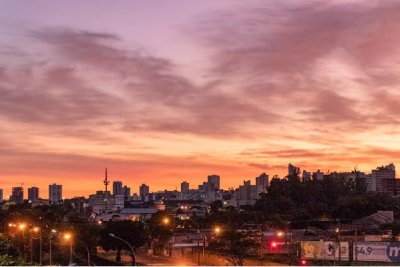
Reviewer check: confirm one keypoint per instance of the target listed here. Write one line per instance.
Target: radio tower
(106, 183)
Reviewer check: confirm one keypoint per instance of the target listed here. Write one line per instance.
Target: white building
(262, 183)
(55, 193)
(131, 214)
(102, 204)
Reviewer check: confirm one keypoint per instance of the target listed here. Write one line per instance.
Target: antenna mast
(106, 183)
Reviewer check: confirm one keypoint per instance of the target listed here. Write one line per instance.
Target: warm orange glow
(166, 221)
(217, 230)
(67, 236)
(221, 101)
(36, 229)
(22, 226)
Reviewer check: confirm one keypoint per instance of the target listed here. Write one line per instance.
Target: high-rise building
(1, 195)
(144, 191)
(293, 171)
(55, 193)
(306, 176)
(184, 187)
(126, 192)
(17, 195)
(318, 175)
(246, 193)
(117, 188)
(262, 183)
(384, 178)
(215, 180)
(33, 194)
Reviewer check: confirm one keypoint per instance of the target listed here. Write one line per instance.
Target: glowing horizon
(163, 92)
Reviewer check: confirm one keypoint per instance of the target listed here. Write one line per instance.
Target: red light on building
(274, 244)
(303, 262)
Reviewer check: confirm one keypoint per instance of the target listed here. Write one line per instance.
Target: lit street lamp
(129, 245)
(68, 237)
(166, 220)
(217, 230)
(36, 230)
(53, 231)
(22, 227)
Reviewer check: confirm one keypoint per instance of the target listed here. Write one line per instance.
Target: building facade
(17, 195)
(117, 188)
(384, 178)
(55, 194)
(215, 180)
(33, 194)
(144, 191)
(262, 183)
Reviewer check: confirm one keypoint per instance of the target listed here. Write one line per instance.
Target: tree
(9, 255)
(216, 206)
(234, 245)
(160, 229)
(7, 260)
(89, 237)
(134, 232)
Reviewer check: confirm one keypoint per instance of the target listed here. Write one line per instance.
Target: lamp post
(22, 227)
(129, 245)
(164, 221)
(87, 251)
(53, 231)
(68, 237)
(88, 254)
(203, 239)
(36, 230)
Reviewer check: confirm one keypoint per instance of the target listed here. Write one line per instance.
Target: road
(164, 261)
(150, 260)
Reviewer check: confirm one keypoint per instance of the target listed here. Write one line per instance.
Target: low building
(104, 203)
(131, 214)
(373, 221)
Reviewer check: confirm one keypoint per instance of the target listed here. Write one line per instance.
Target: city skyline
(170, 92)
(119, 185)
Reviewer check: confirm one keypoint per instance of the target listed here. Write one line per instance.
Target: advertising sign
(377, 251)
(325, 250)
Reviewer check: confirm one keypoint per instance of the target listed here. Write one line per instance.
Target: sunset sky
(165, 91)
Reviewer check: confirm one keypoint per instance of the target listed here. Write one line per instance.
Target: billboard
(377, 251)
(325, 250)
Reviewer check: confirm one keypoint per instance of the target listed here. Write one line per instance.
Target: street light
(217, 230)
(52, 232)
(21, 227)
(166, 221)
(68, 237)
(129, 245)
(36, 230)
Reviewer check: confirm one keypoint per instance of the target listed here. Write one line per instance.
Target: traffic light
(303, 262)
(274, 245)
